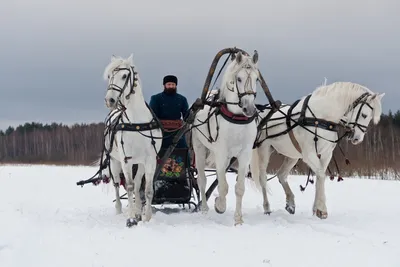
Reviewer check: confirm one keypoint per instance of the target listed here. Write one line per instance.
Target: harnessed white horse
(308, 131)
(134, 136)
(228, 130)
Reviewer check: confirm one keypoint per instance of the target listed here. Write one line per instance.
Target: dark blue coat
(170, 107)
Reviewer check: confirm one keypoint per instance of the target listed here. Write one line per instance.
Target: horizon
(70, 124)
(51, 62)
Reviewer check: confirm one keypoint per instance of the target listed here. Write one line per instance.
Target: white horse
(134, 135)
(345, 103)
(228, 130)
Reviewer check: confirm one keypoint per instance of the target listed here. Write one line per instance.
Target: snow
(46, 220)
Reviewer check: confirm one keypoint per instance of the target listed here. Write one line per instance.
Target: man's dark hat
(170, 78)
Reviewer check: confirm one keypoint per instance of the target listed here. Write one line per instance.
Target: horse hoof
(204, 211)
(147, 218)
(203, 208)
(322, 214)
(131, 222)
(290, 209)
(219, 211)
(267, 209)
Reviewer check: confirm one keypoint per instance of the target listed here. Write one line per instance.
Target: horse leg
(116, 169)
(137, 181)
(264, 154)
(319, 165)
(221, 163)
(283, 172)
(149, 191)
(127, 169)
(244, 161)
(200, 151)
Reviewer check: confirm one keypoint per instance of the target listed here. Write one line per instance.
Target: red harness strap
(229, 114)
(171, 124)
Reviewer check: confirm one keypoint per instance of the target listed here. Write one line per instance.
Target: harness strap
(171, 125)
(291, 135)
(136, 127)
(234, 118)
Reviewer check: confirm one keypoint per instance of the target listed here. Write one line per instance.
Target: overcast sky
(53, 53)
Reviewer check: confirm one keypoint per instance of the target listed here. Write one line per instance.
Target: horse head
(239, 84)
(122, 81)
(366, 108)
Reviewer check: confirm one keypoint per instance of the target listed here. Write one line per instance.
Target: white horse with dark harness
(133, 137)
(228, 129)
(308, 131)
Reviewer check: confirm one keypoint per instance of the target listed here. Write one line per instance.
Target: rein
(119, 124)
(131, 77)
(304, 121)
(221, 105)
(240, 95)
(361, 100)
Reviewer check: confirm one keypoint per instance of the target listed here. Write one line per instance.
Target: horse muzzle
(356, 141)
(350, 135)
(110, 102)
(249, 111)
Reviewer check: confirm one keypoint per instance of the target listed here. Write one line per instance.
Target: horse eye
(124, 76)
(363, 115)
(239, 80)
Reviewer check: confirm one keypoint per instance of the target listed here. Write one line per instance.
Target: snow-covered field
(48, 221)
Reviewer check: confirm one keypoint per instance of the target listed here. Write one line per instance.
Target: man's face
(170, 86)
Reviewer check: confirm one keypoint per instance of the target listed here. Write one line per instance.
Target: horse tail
(255, 173)
(96, 162)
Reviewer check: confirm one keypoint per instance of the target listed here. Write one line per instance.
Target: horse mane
(342, 89)
(246, 61)
(348, 92)
(118, 61)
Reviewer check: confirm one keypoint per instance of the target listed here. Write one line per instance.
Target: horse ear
(233, 56)
(239, 57)
(130, 59)
(255, 57)
(378, 96)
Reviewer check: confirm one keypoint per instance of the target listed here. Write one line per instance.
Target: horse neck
(136, 109)
(332, 107)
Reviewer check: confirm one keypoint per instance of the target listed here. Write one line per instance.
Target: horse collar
(234, 118)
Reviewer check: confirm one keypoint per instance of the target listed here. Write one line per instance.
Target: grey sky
(53, 52)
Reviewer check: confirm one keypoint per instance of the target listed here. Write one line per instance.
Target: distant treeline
(51, 143)
(378, 155)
